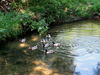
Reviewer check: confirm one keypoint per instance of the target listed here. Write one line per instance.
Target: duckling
(56, 44)
(42, 41)
(49, 51)
(48, 36)
(22, 40)
(33, 47)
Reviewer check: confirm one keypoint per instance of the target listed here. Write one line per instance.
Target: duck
(33, 47)
(42, 41)
(22, 40)
(56, 44)
(46, 45)
(49, 51)
(48, 36)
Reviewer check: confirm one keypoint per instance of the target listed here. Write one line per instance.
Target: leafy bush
(42, 26)
(2, 34)
(13, 24)
(10, 25)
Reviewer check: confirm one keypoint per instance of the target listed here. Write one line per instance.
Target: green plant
(2, 34)
(26, 20)
(41, 26)
(10, 25)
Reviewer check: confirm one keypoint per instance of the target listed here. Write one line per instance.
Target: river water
(79, 54)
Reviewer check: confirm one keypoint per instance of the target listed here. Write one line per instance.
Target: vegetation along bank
(19, 16)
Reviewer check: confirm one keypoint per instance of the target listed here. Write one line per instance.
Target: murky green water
(79, 55)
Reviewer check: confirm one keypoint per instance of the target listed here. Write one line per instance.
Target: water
(79, 54)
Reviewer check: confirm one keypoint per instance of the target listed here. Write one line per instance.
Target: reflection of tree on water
(77, 73)
(97, 70)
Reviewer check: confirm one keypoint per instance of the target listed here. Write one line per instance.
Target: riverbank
(18, 17)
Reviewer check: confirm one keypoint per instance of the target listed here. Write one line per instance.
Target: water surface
(79, 54)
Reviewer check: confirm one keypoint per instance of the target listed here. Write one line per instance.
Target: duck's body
(46, 45)
(33, 47)
(48, 36)
(23, 40)
(42, 41)
(49, 51)
(56, 44)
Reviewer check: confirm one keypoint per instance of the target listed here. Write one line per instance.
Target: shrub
(42, 26)
(10, 25)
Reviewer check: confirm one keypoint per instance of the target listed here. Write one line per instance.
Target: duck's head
(48, 36)
(37, 46)
(42, 41)
(45, 51)
(53, 42)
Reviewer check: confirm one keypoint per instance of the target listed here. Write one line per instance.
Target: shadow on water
(79, 54)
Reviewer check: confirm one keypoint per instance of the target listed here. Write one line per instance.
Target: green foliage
(2, 34)
(55, 9)
(42, 26)
(9, 25)
(13, 24)
(95, 8)
(13, 5)
(26, 20)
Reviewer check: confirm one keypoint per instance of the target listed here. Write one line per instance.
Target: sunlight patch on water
(23, 45)
(34, 38)
(40, 63)
(43, 69)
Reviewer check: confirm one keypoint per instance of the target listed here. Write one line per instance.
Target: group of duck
(45, 43)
